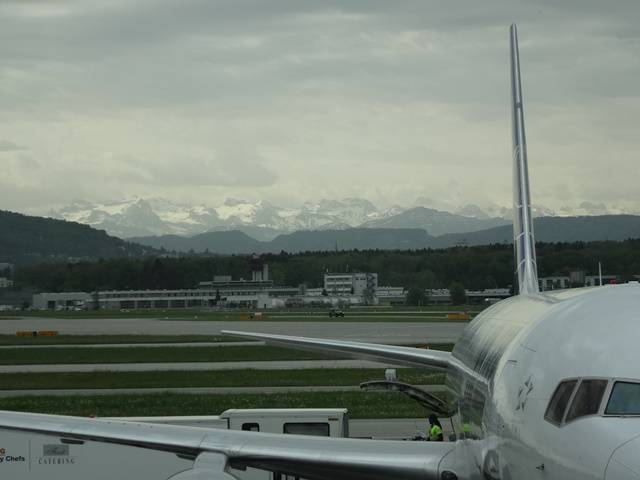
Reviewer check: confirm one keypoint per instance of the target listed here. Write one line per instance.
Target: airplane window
(559, 401)
(588, 398)
(624, 399)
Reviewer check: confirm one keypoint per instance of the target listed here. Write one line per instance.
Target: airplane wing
(406, 356)
(214, 451)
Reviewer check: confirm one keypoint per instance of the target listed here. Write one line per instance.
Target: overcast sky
(293, 101)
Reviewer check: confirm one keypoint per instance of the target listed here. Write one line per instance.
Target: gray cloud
(390, 100)
(7, 146)
(228, 169)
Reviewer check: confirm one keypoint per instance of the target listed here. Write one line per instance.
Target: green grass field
(359, 404)
(151, 355)
(113, 339)
(32, 356)
(225, 378)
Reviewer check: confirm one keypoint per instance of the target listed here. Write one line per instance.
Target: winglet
(523, 239)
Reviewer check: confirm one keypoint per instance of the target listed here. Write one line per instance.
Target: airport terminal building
(358, 283)
(225, 292)
(62, 301)
(221, 292)
(256, 293)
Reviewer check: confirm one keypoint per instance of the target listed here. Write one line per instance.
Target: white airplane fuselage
(521, 349)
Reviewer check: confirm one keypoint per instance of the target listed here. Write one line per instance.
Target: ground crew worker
(435, 430)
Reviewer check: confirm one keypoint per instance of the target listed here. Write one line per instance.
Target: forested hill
(554, 229)
(547, 229)
(237, 242)
(28, 240)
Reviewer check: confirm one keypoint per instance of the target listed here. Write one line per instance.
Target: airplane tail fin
(523, 239)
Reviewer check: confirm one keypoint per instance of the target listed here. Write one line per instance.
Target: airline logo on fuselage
(523, 393)
(56, 454)
(8, 458)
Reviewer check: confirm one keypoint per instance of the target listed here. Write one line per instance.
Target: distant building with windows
(442, 296)
(61, 301)
(220, 292)
(594, 280)
(391, 295)
(360, 287)
(553, 283)
(360, 284)
(235, 294)
(575, 279)
(183, 298)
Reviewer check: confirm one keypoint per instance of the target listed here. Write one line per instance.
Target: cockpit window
(624, 399)
(587, 399)
(559, 401)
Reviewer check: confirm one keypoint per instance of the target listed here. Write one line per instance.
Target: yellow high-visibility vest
(435, 432)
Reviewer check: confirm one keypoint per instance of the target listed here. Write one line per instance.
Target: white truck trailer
(25, 456)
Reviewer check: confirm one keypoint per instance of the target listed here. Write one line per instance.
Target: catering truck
(31, 456)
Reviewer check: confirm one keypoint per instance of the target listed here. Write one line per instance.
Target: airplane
(544, 385)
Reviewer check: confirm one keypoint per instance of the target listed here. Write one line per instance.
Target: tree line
(474, 267)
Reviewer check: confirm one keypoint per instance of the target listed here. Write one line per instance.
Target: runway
(375, 332)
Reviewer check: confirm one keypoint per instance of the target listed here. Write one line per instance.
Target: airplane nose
(624, 463)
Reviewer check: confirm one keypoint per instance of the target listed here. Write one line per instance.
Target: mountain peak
(473, 211)
(156, 216)
(234, 202)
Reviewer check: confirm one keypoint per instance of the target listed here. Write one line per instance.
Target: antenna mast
(600, 272)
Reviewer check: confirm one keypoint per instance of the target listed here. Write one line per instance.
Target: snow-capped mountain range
(261, 219)
(264, 221)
